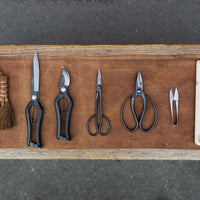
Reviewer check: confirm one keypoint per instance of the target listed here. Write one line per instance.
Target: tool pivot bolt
(63, 89)
(34, 97)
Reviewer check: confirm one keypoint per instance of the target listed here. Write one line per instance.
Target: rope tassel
(6, 111)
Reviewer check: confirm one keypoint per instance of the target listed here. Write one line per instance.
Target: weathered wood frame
(188, 51)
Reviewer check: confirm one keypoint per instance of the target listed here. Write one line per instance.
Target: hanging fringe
(6, 111)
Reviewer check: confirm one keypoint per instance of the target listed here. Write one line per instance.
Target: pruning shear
(33, 104)
(62, 96)
(98, 111)
(139, 92)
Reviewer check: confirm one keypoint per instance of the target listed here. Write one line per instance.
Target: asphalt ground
(99, 22)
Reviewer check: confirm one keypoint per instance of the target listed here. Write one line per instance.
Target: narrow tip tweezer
(174, 97)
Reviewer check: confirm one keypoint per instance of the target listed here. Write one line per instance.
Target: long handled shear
(138, 92)
(63, 95)
(98, 111)
(31, 107)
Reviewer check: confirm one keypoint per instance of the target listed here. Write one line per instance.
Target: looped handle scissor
(64, 84)
(98, 112)
(138, 92)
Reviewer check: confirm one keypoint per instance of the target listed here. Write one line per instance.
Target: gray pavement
(99, 22)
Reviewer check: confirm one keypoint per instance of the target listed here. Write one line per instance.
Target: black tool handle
(101, 116)
(109, 126)
(88, 124)
(155, 116)
(133, 112)
(68, 116)
(39, 120)
(138, 121)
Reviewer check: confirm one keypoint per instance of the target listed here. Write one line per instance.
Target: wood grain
(101, 154)
(18, 51)
(161, 66)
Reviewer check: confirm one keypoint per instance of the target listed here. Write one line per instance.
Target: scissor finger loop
(98, 126)
(108, 128)
(88, 126)
(63, 105)
(33, 115)
(133, 113)
(155, 117)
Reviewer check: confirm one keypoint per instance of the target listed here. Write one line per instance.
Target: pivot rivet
(63, 89)
(34, 97)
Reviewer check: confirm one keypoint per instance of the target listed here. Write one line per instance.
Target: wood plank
(118, 81)
(101, 154)
(162, 67)
(98, 50)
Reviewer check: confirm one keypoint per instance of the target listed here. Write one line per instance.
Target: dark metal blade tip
(64, 70)
(139, 85)
(171, 96)
(99, 72)
(176, 96)
(35, 58)
(35, 54)
(139, 76)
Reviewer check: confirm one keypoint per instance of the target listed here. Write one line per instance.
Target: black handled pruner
(62, 96)
(31, 109)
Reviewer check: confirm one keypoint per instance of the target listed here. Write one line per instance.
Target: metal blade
(176, 97)
(98, 78)
(171, 97)
(65, 78)
(139, 84)
(176, 94)
(35, 74)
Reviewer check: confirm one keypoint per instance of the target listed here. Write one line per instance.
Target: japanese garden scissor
(98, 116)
(138, 92)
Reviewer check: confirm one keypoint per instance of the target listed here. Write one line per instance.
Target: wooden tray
(161, 66)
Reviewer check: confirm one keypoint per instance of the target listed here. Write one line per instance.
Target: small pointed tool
(31, 116)
(62, 97)
(173, 97)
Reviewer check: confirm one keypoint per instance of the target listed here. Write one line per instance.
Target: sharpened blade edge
(35, 73)
(66, 77)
